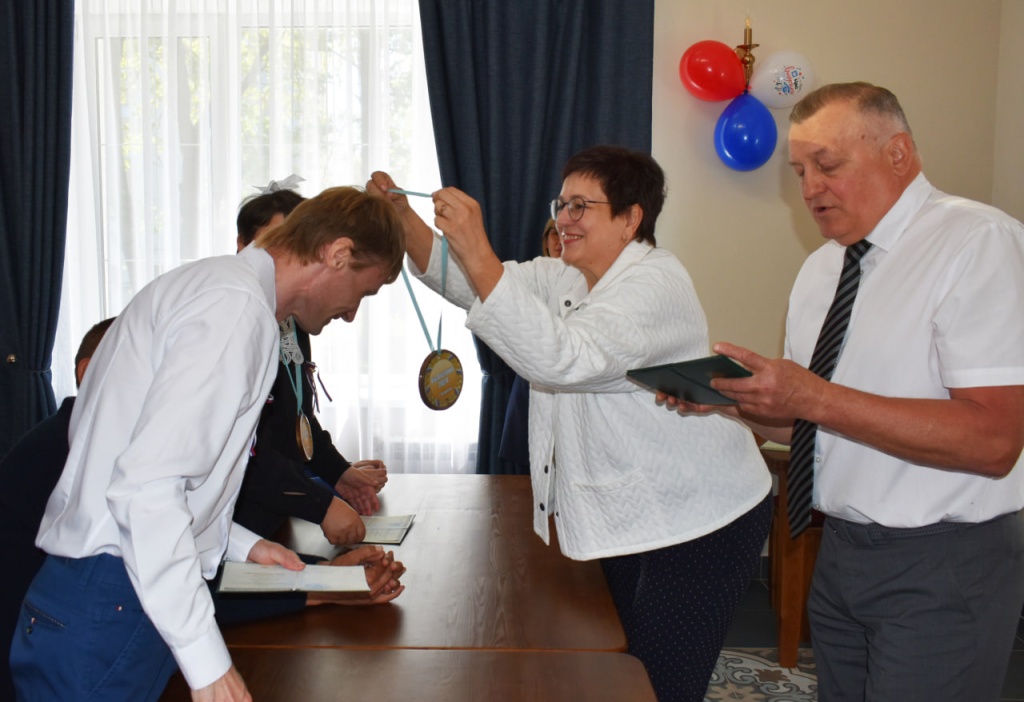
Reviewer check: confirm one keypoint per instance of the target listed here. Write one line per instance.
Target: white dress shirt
(620, 474)
(939, 307)
(159, 440)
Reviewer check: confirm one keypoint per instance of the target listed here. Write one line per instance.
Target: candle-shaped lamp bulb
(748, 34)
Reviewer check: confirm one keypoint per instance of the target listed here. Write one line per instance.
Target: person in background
(159, 438)
(281, 481)
(28, 473)
(677, 516)
(552, 242)
(913, 446)
(515, 446)
(263, 211)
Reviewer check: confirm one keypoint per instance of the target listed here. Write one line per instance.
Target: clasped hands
(361, 482)
(358, 487)
(383, 572)
(383, 575)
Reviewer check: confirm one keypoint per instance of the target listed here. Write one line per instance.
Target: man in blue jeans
(159, 438)
(31, 469)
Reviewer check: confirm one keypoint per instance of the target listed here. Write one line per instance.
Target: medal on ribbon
(304, 436)
(292, 359)
(440, 380)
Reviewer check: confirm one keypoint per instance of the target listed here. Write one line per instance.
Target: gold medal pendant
(304, 436)
(441, 373)
(440, 380)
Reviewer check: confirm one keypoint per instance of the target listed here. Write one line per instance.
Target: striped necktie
(823, 362)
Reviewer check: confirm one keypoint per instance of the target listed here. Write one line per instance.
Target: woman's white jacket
(618, 473)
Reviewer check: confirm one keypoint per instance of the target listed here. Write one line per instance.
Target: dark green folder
(690, 380)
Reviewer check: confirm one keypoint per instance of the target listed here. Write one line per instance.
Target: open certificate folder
(690, 380)
(384, 529)
(254, 577)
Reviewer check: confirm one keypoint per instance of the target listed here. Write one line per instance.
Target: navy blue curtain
(515, 89)
(35, 156)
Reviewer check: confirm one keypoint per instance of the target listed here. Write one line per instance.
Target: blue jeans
(82, 635)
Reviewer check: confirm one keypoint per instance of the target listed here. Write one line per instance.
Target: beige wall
(1008, 188)
(743, 236)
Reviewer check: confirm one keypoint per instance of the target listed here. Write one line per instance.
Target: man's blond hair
(371, 223)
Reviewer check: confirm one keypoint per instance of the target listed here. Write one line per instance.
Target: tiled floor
(754, 627)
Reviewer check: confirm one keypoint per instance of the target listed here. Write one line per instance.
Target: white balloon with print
(782, 79)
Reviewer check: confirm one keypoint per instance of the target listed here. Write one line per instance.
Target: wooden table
(404, 675)
(478, 578)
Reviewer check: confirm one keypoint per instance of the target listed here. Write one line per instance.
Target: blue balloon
(745, 134)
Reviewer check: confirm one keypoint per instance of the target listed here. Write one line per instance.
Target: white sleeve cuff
(204, 661)
(240, 543)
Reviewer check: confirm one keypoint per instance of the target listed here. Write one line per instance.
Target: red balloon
(712, 71)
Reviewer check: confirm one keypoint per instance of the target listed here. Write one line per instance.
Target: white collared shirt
(939, 306)
(159, 439)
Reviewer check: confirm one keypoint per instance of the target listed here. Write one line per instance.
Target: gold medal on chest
(304, 436)
(440, 380)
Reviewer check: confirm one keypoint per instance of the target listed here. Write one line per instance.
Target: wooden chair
(792, 563)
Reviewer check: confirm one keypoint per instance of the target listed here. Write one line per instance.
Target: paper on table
(254, 577)
(387, 529)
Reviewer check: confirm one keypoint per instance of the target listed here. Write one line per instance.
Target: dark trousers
(676, 603)
(929, 614)
(82, 634)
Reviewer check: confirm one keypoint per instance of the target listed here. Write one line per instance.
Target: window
(181, 109)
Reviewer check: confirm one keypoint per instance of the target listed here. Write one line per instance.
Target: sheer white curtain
(182, 107)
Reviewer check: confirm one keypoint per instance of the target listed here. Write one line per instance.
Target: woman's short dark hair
(627, 178)
(257, 211)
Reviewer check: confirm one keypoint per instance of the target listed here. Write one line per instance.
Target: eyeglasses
(577, 206)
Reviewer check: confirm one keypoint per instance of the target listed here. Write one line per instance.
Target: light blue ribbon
(412, 295)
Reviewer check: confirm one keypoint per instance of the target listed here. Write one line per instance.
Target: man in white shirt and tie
(916, 455)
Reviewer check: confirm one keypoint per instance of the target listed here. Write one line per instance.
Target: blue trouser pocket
(83, 635)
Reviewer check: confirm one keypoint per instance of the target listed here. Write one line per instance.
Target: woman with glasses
(676, 512)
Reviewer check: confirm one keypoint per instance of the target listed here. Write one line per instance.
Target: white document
(254, 577)
(382, 529)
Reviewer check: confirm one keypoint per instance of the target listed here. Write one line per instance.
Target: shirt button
(568, 303)
(545, 469)
(541, 506)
